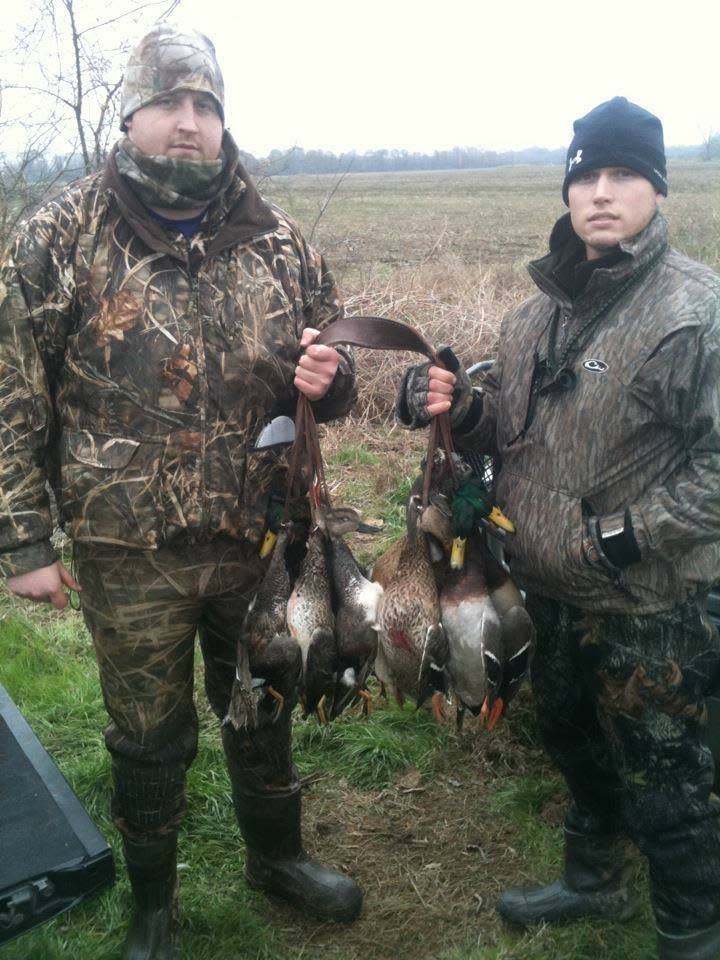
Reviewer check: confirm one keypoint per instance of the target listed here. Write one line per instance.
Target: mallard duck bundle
(452, 622)
(311, 630)
(312, 635)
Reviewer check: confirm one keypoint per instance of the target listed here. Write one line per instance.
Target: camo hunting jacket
(138, 367)
(606, 402)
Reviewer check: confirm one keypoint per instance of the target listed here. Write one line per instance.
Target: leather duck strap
(380, 333)
(306, 449)
(376, 333)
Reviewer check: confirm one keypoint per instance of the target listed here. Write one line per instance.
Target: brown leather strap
(429, 457)
(376, 333)
(440, 436)
(306, 447)
(381, 333)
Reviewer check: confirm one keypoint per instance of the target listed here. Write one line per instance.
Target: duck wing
(517, 640)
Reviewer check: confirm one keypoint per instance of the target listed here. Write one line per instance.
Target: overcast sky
(396, 73)
(341, 75)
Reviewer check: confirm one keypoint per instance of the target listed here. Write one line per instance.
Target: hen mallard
(311, 624)
(355, 600)
(269, 660)
(412, 647)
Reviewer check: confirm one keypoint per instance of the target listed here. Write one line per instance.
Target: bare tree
(59, 105)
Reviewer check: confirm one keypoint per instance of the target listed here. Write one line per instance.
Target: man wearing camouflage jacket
(152, 321)
(603, 410)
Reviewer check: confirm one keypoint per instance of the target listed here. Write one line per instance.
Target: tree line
(59, 101)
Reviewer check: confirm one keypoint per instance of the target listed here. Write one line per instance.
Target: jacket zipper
(203, 390)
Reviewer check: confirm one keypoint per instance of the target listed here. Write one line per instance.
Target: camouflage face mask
(170, 182)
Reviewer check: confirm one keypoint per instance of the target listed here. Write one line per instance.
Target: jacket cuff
(341, 395)
(472, 417)
(472, 434)
(25, 559)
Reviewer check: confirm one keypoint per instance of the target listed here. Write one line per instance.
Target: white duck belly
(473, 632)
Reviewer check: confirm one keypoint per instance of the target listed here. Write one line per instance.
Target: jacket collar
(239, 213)
(564, 243)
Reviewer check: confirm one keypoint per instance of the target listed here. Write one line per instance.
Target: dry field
(447, 251)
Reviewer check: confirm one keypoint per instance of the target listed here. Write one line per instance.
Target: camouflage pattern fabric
(143, 610)
(169, 182)
(621, 710)
(626, 416)
(168, 59)
(137, 368)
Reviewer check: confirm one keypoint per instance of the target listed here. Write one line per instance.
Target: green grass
(370, 754)
(393, 507)
(49, 670)
(354, 456)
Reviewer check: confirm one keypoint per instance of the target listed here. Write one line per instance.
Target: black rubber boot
(152, 868)
(699, 945)
(276, 862)
(594, 884)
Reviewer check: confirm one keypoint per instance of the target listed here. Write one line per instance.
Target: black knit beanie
(618, 133)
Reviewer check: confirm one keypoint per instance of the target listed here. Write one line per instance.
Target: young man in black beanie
(603, 408)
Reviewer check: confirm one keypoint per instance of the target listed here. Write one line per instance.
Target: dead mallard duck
(356, 600)
(269, 660)
(517, 640)
(412, 647)
(311, 624)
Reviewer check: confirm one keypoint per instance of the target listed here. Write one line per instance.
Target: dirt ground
(427, 851)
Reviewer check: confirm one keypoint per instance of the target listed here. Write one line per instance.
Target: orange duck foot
(438, 707)
(279, 702)
(367, 702)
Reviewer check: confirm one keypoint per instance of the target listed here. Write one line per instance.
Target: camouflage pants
(620, 702)
(144, 610)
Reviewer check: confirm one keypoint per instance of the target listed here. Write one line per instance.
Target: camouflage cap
(166, 59)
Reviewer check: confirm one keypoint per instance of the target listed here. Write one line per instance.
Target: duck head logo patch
(595, 366)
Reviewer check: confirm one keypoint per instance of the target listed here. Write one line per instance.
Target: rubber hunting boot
(698, 945)
(276, 861)
(154, 928)
(594, 885)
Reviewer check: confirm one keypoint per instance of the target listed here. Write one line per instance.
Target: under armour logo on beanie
(618, 133)
(573, 160)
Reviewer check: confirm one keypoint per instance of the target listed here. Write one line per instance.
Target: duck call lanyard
(562, 376)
